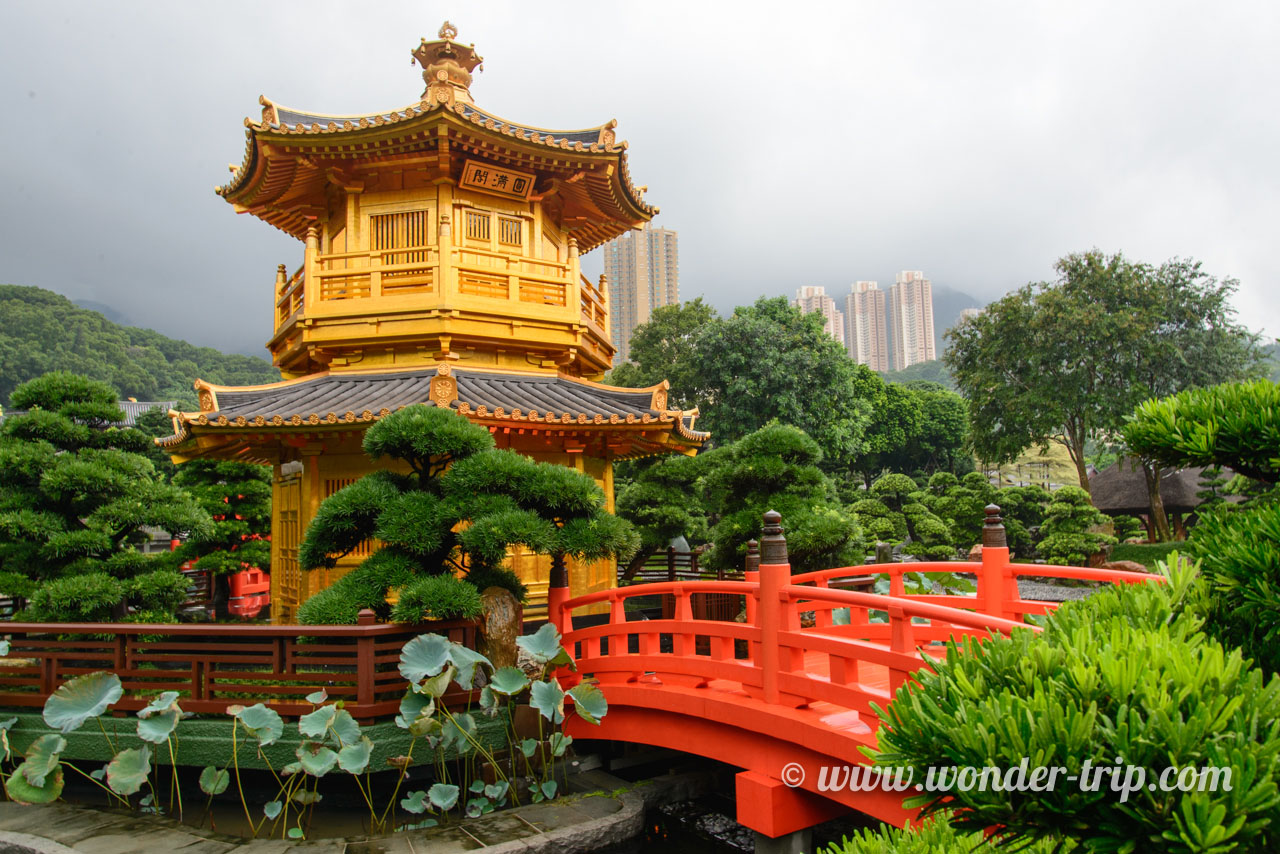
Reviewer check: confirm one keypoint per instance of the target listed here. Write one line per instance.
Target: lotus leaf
(560, 743)
(476, 787)
(477, 807)
(306, 796)
(271, 809)
(316, 698)
(354, 757)
(4, 648)
(158, 727)
(589, 702)
(427, 726)
(317, 760)
(264, 724)
(456, 729)
(316, 724)
(291, 769)
(5, 726)
(214, 781)
(163, 703)
(528, 747)
(509, 681)
(42, 758)
(415, 803)
(435, 686)
(548, 699)
(423, 656)
(467, 660)
(496, 791)
(443, 795)
(128, 771)
(295, 833)
(345, 727)
(413, 706)
(21, 791)
(548, 789)
(81, 698)
(544, 647)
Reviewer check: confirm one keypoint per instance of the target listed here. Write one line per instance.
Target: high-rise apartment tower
(866, 337)
(911, 320)
(644, 273)
(812, 300)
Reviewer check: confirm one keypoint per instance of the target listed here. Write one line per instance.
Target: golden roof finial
(446, 67)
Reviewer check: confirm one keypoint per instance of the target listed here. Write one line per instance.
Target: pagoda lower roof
(488, 396)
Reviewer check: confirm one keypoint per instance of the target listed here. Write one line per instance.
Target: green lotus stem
(110, 743)
(235, 760)
(97, 783)
(173, 779)
(479, 747)
(404, 772)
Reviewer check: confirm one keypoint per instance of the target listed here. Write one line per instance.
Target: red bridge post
(775, 572)
(996, 588)
(557, 595)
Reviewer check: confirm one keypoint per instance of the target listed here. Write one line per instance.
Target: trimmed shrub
(1240, 550)
(333, 606)
(437, 597)
(1067, 538)
(484, 577)
(161, 592)
(1126, 673)
(89, 598)
(934, 836)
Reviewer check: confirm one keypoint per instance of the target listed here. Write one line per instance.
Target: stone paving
(578, 823)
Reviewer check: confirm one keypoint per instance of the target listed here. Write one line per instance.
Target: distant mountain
(934, 372)
(105, 310)
(947, 305)
(41, 331)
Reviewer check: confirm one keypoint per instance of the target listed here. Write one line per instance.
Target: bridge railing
(783, 658)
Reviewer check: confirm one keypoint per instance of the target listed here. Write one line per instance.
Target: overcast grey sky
(789, 143)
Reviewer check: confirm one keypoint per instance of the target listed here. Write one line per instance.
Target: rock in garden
(500, 625)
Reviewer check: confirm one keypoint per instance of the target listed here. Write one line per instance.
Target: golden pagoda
(440, 267)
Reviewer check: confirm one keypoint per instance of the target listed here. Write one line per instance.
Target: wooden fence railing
(216, 666)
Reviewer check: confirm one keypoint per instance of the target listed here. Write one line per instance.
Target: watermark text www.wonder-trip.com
(1122, 779)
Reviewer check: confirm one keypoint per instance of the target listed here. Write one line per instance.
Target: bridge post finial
(993, 529)
(753, 556)
(773, 545)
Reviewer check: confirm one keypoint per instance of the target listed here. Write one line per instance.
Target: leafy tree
(238, 498)
(896, 423)
(1067, 522)
(1066, 361)
(664, 502)
(766, 362)
(777, 468)
(41, 332)
(75, 496)
(666, 348)
(926, 534)
(460, 507)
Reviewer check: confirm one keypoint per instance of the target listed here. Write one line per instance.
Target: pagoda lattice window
(406, 230)
(477, 225)
(509, 231)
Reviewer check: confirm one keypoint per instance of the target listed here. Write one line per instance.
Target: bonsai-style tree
(455, 507)
(776, 468)
(238, 498)
(75, 498)
(1067, 536)
(664, 502)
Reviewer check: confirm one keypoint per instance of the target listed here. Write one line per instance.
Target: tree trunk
(1082, 472)
(637, 562)
(1152, 472)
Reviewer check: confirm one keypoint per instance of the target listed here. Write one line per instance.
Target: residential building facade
(814, 300)
(643, 272)
(866, 336)
(911, 320)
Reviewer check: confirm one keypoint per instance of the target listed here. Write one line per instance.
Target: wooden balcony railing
(215, 666)
(290, 296)
(594, 312)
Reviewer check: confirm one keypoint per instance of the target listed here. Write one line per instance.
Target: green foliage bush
(1240, 549)
(1235, 425)
(333, 606)
(437, 597)
(484, 577)
(1067, 539)
(1126, 673)
(776, 468)
(160, 591)
(933, 836)
(1128, 527)
(89, 598)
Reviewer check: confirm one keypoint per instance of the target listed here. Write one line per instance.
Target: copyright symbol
(793, 774)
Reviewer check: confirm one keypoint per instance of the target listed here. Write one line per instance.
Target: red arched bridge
(784, 694)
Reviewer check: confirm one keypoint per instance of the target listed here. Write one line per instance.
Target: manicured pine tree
(454, 507)
(75, 497)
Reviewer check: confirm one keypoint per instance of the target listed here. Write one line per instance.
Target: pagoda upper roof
(292, 155)
(491, 397)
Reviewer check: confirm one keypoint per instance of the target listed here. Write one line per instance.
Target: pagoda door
(286, 577)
